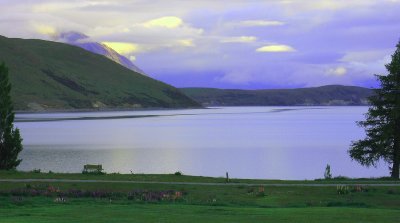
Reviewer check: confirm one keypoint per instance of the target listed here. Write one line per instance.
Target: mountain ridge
(323, 95)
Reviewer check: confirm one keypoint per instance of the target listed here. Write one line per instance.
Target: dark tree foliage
(10, 139)
(382, 124)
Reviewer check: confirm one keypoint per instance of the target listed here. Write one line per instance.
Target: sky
(246, 44)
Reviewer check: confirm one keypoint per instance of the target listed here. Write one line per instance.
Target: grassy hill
(49, 75)
(325, 95)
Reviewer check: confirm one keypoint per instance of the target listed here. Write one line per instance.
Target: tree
(382, 124)
(10, 138)
(327, 173)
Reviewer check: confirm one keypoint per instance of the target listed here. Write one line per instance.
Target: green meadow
(146, 198)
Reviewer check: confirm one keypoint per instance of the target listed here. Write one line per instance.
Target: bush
(93, 172)
(136, 195)
(341, 178)
(153, 196)
(36, 171)
(342, 189)
(178, 173)
(358, 188)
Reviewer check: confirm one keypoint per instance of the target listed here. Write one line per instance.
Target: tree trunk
(395, 169)
(396, 160)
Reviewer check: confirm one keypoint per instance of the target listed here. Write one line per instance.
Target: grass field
(98, 213)
(114, 202)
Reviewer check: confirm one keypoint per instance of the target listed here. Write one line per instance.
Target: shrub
(93, 172)
(260, 192)
(341, 178)
(359, 188)
(136, 195)
(342, 189)
(153, 196)
(178, 173)
(36, 171)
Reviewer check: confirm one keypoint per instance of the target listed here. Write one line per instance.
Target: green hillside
(325, 95)
(49, 75)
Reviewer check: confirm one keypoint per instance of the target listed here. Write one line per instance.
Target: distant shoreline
(100, 110)
(51, 111)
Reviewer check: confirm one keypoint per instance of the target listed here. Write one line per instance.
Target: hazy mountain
(83, 41)
(49, 75)
(325, 95)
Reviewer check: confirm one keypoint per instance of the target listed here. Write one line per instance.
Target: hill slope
(325, 95)
(49, 75)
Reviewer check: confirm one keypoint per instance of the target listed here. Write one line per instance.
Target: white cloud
(186, 42)
(368, 62)
(123, 48)
(261, 23)
(325, 5)
(369, 68)
(238, 39)
(169, 22)
(338, 71)
(45, 29)
(365, 56)
(276, 49)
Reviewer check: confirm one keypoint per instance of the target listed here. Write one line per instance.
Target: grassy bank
(181, 178)
(138, 202)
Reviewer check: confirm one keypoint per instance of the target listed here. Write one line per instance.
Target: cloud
(338, 71)
(326, 5)
(186, 42)
(236, 77)
(368, 62)
(368, 68)
(132, 58)
(169, 22)
(365, 56)
(45, 29)
(238, 39)
(261, 23)
(184, 38)
(122, 48)
(276, 49)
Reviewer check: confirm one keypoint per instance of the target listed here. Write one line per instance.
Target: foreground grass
(234, 196)
(184, 213)
(199, 203)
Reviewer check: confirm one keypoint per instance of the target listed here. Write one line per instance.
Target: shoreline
(52, 111)
(17, 175)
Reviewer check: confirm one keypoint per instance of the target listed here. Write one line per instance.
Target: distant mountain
(83, 41)
(325, 95)
(49, 75)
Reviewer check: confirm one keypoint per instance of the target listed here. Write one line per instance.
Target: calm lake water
(248, 142)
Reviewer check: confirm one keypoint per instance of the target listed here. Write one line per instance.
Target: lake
(247, 142)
